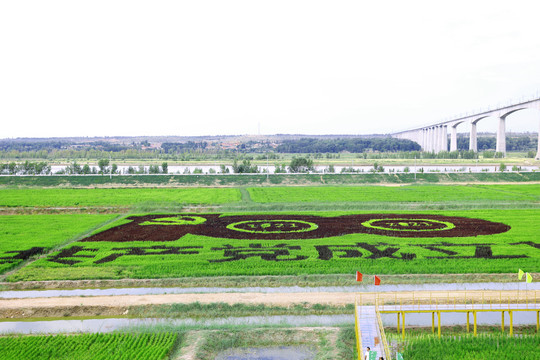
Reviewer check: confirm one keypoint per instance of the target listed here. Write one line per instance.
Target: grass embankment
(194, 310)
(221, 310)
(232, 180)
(328, 343)
(314, 280)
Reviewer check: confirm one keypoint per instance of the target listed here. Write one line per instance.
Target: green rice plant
(412, 193)
(201, 255)
(35, 197)
(465, 347)
(25, 236)
(97, 346)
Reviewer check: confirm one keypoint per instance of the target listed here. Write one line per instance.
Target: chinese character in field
(21, 254)
(152, 250)
(375, 251)
(279, 252)
(455, 251)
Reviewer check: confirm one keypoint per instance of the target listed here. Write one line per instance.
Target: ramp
(369, 331)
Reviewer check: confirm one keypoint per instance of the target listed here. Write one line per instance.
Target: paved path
(368, 329)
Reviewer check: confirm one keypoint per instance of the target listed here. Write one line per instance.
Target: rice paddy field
(191, 232)
(57, 246)
(154, 346)
(467, 347)
(173, 245)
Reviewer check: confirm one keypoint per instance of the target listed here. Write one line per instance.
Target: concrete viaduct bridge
(434, 138)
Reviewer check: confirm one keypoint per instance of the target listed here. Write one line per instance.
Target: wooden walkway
(370, 330)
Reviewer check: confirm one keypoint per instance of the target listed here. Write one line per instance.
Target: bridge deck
(369, 331)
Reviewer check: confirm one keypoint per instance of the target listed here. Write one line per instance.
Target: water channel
(112, 324)
(272, 353)
(214, 169)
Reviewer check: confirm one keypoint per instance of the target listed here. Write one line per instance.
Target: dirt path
(279, 299)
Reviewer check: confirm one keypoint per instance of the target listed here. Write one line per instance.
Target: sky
(131, 68)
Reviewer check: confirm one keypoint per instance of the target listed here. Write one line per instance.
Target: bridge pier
(501, 136)
(453, 138)
(473, 145)
(436, 138)
(444, 138)
(538, 150)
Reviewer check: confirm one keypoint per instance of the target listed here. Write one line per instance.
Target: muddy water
(288, 289)
(108, 325)
(272, 353)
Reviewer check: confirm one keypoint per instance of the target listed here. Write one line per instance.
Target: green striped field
(129, 197)
(467, 347)
(115, 197)
(21, 233)
(116, 346)
(412, 193)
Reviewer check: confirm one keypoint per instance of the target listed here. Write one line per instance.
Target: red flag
(377, 280)
(358, 276)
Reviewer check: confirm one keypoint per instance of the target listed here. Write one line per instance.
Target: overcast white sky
(94, 68)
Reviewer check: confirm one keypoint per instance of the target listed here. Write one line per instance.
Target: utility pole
(414, 167)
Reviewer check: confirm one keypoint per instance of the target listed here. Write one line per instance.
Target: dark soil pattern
(279, 227)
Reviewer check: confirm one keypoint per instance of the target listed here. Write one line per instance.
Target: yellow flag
(529, 278)
(520, 274)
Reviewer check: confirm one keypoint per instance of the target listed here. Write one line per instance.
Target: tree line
(353, 145)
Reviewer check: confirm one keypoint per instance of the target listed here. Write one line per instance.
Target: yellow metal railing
(383, 335)
(356, 330)
(471, 301)
(527, 299)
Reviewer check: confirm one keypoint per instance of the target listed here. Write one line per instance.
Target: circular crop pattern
(283, 227)
(273, 226)
(176, 220)
(402, 224)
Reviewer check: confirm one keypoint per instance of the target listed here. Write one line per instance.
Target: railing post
(511, 322)
(468, 322)
(403, 325)
(474, 314)
(502, 321)
(398, 323)
(439, 323)
(433, 322)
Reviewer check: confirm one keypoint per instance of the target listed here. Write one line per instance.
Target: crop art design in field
(177, 245)
(280, 227)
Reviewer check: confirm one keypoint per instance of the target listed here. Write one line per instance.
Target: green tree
(245, 167)
(301, 165)
(103, 164)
